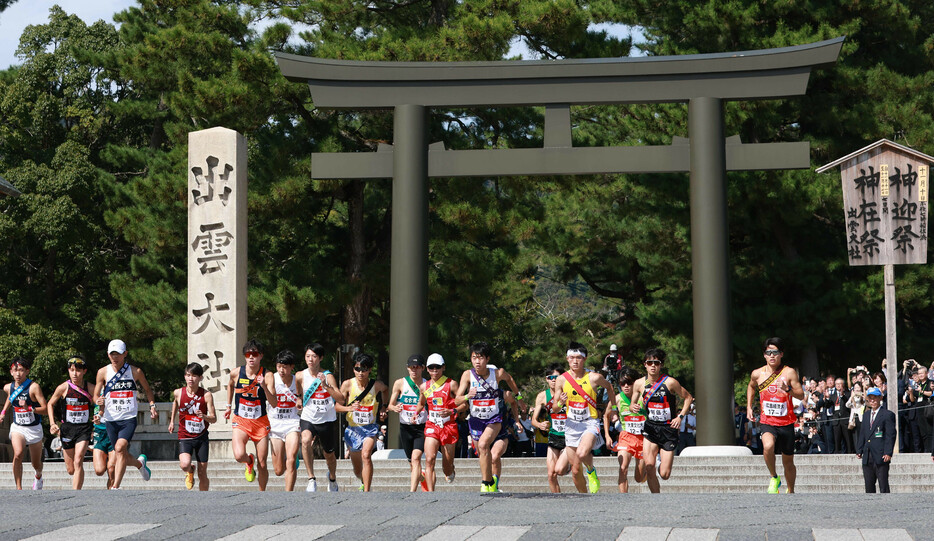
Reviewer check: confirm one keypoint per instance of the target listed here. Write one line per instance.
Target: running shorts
(446, 434)
(101, 441)
(71, 434)
(354, 436)
(196, 447)
(661, 434)
(325, 433)
(278, 430)
(32, 434)
(575, 430)
(556, 441)
(120, 430)
(411, 437)
(256, 429)
(477, 426)
(631, 443)
(784, 437)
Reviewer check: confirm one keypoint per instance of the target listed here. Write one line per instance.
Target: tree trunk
(356, 313)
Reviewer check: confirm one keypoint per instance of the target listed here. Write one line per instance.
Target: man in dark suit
(876, 442)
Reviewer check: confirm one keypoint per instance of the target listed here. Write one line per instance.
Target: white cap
(116, 345)
(435, 359)
(612, 347)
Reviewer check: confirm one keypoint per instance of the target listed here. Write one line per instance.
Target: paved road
(353, 516)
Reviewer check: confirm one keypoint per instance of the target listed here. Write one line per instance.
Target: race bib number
(774, 409)
(659, 412)
(249, 409)
(558, 422)
(24, 416)
(578, 411)
(634, 424)
(484, 408)
(121, 401)
(407, 415)
(194, 426)
(318, 405)
(77, 414)
(364, 415)
(284, 414)
(438, 417)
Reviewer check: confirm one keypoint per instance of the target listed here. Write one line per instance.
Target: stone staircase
(816, 474)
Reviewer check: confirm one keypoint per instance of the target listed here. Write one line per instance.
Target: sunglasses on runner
(551, 378)
(360, 369)
(772, 352)
(653, 363)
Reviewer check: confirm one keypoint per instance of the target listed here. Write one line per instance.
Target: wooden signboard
(885, 200)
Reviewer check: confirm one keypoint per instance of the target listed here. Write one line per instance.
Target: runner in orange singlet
(776, 385)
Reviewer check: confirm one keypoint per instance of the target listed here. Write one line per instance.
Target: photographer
(613, 362)
(920, 391)
(905, 406)
(855, 403)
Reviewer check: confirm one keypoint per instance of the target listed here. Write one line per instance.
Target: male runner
(630, 438)
(776, 385)
(480, 387)
(26, 400)
(360, 435)
(247, 395)
(556, 457)
(656, 392)
(116, 394)
(195, 409)
(77, 427)
(404, 401)
(285, 435)
(318, 390)
(582, 431)
(441, 428)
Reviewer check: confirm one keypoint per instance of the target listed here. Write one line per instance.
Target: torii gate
(704, 81)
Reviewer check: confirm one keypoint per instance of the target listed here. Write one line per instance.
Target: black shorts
(411, 437)
(325, 433)
(196, 447)
(556, 442)
(661, 434)
(72, 433)
(784, 437)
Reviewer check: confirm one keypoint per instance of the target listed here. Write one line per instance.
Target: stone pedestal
(217, 252)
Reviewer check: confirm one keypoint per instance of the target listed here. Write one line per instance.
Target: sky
(26, 12)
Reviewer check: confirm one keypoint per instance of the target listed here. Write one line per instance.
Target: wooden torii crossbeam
(704, 81)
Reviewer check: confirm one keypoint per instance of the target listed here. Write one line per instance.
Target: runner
(441, 428)
(195, 407)
(480, 387)
(116, 393)
(656, 394)
(28, 404)
(245, 392)
(104, 456)
(582, 431)
(360, 394)
(319, 391)
(404, 401)
(557, 458)
(630, 438)
(285, 436)
(776, 385)
(77, 427)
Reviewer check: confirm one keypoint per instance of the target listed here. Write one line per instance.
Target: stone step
(816, 474)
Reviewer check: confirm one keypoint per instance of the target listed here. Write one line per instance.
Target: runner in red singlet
(776, 385)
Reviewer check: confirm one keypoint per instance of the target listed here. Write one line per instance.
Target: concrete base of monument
(716, 450)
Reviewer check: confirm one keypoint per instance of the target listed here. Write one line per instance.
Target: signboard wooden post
(885, 200)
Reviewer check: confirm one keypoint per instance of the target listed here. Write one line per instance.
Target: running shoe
(450, 479)
(593, 483)
(37, 484)
(774, 483)
(190, 480)
(495, 484)
(424, 482)
(332, 485)
(312, 485)
(484, 488)
(361, 487)
(144, 470)
(249, 473)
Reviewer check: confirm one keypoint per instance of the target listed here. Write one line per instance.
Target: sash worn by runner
(482, 382)
(313, 387)
(435, 386)
(771, 379)
(654, 390)
(80, 390)
(363, 393)
(116, 377)
(20, 390)
(576, 386)
(251, 388)
(412, 385)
